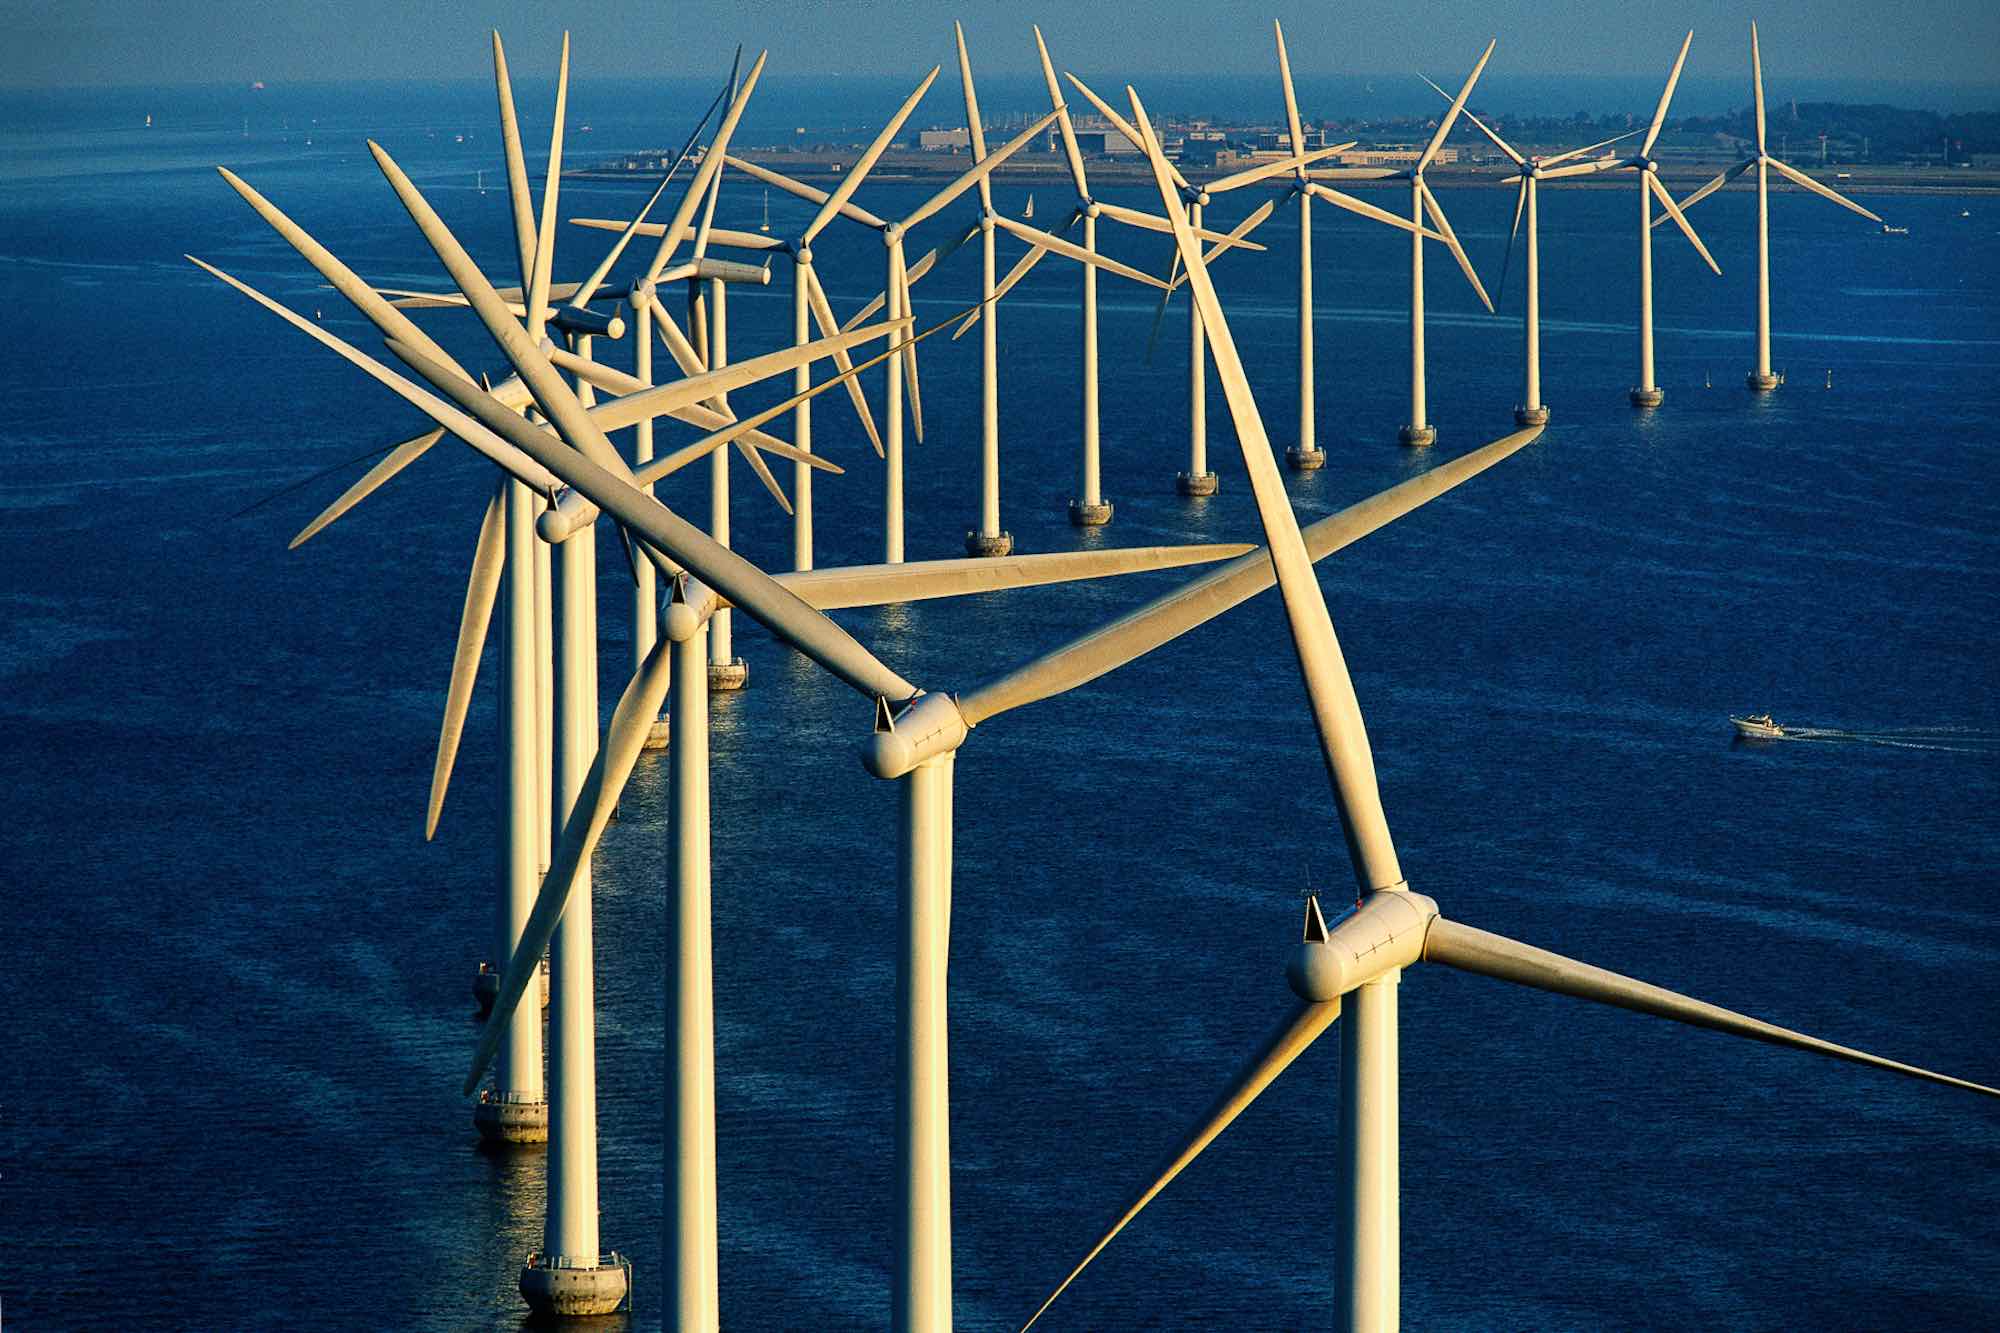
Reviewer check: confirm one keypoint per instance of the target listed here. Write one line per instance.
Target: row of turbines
(544, 415)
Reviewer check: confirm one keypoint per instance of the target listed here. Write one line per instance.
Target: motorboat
(1757, 727)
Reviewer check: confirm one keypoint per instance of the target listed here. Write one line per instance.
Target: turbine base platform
(657, 735)
(1305, 460)
(1762, 381)
(1417, 437)
(1531, 416)
(1088, 515)
(555, 1287)
(501, 1121)
(1648, 397)
(730, 675)
(1195, 483)
(979, 544)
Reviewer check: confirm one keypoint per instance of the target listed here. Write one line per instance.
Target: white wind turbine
(897, 280)
(917, 733)
(1089, 508)
(1305, 454)
(1761, 379)
(1197, 480)
(1362, 958)
(1423, 203)
(1532, 172)
(1648, 392)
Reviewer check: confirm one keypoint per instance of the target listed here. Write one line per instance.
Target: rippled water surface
(237, 984)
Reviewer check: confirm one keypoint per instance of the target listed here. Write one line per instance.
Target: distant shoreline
(1051, 170)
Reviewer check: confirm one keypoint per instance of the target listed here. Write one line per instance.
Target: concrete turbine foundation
(979, 544)
(1195, 484)
(1531, 416)
(1084, 515)
(554, 1287)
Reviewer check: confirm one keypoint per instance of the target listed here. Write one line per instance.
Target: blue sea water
(237, 984)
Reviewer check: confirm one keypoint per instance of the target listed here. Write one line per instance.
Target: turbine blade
(921, 580)
(763, 471)
(638, 225)
(485, 441)
(658, 400)
(1342, 736)
(1806, 182)
(977, 172)
(802, 190)
(1365, 209)
(1520, 206)
(711, 162)
(1022, 267)
(683, 352)
(745, 586)
(404, 454)
(586, 289)
(1194, 604)
(1436, 211)
(1070, 151)
(1590, 168)
(1291, 99)
(631, 722)
(545, 239)
(1481, 126)
(1757, 86)
(1233, 240)
(823, 314)
(391, 321)
(1123, 126)
(1666, 97)
(1588, 148)
(913, 393)
(1132, 217)
(517, 166)
(1069, 250)
(1285, 1045)
(974, 129)
(728, 431)
(489, 556)
(1472, 950)
(1710, 188)
(1457, 105)
(1680, 220)
(550, 391)
(851, 181)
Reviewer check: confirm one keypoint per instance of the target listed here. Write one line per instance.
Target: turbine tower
(1360, 961)
(1761, 379)
(1423, 203)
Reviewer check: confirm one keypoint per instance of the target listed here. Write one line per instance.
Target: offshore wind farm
(568, 884)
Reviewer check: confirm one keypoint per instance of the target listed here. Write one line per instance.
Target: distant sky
(58, 43)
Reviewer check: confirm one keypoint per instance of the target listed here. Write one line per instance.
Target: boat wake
(1961, 740)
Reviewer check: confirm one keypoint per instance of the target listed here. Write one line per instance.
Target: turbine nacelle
(1385, 931)
(927, 726)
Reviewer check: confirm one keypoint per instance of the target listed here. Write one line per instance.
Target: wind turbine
(897, 280)
(1089, 508)
(1306, 455)
(1361, 959)
(1423, 203)
(1197, 480)
(1648, 393)
(1761, 379)
(1531, 172)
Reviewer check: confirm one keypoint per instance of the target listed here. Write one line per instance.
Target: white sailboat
(1029, 211)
